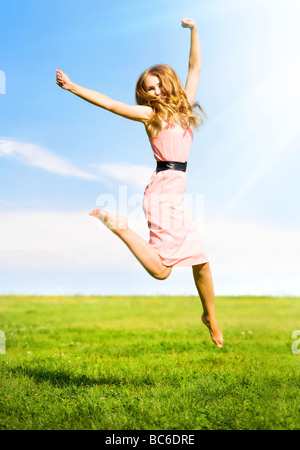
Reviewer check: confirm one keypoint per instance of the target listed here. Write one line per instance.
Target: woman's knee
(164, 273)
(201, 268)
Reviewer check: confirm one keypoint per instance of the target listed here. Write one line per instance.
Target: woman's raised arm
(133, 112)
(195, 60)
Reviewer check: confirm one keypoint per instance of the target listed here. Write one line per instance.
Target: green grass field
(148, 363)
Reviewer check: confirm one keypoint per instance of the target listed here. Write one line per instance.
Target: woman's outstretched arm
(195, 60)
(134, 112)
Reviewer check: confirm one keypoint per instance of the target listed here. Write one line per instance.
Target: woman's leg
(204, 283)
(141, 249)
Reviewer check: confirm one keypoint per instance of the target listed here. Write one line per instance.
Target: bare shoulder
(154, 128)
(146, 112)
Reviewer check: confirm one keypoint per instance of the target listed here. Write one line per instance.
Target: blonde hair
(175, 106)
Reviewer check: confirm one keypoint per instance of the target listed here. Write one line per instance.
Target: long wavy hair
(174, 106)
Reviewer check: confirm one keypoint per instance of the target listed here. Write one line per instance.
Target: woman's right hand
(63, 80)
(188, 23)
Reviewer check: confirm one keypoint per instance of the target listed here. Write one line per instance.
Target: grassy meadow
(148, 363)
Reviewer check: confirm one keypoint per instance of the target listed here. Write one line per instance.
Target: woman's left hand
(188, 23)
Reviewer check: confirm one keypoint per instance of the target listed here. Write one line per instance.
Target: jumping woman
(167, 111)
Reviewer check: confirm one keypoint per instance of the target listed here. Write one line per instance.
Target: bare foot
(214, 330)
(114, 223)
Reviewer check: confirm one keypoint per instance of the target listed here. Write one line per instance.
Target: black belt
(173, 165)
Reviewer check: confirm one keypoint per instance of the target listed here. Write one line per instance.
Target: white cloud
(54, 239)
(34, 155)
(130, 174)
(245, 257)
(239, 246)
(252, 258)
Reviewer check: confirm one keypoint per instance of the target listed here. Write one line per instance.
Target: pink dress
(173, 229)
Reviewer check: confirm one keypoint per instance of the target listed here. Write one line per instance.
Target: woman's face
(153, 86)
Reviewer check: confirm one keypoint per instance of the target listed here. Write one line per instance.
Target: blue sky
(60, 156)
